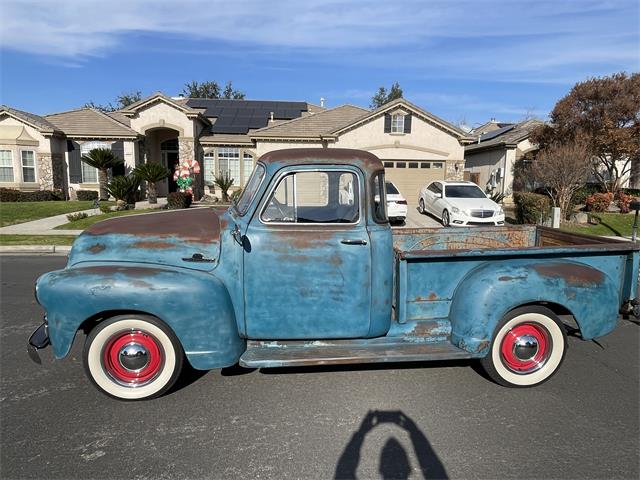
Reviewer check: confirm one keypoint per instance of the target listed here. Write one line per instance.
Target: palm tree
(124, 189)
(103, 159)
(224, 182)
(151, 173)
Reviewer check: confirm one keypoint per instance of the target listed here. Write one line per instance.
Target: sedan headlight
(455, 209)
(500, 211)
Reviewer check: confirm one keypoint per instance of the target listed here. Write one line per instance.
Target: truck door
(307, 262)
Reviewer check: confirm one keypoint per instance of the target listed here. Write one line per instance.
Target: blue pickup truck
(305, 270)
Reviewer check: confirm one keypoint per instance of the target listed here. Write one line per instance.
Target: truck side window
(379, 199)
(314, 197)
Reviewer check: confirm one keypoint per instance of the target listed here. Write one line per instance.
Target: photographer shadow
(394, 461)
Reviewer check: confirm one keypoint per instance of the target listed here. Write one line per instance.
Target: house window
(229, 163)
(89, 173)
(247, 167)
(401, 164)
(437, 165)
(6, 166)
(28, 166)
(425, 165)
(209, 168)
(397, 123)
(413, 164)
(388, 164)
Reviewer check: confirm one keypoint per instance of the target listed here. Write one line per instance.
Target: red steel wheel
(528, 347)
(133, 357)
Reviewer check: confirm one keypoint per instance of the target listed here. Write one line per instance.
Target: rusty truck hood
(184, 238)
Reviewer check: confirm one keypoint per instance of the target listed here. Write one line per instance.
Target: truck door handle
(353, 242)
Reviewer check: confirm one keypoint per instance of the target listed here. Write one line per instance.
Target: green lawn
(611, 224)
(87, 222)
(20, 212)
(36, 239)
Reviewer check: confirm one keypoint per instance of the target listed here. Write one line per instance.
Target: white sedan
(396, 204)
(459, 204)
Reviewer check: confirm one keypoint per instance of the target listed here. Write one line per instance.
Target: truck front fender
(195, 305)
(493, 289)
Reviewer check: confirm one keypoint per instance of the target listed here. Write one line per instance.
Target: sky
(464, 60)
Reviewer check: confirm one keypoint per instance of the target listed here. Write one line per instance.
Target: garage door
(410, 176)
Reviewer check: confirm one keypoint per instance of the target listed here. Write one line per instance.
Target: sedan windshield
(463, 191)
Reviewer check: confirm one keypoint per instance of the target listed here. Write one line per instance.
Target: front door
(307, 260)
(170, 160)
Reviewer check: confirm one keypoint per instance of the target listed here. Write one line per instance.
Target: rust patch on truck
(577, 275)
(97, 248)
(198, 225)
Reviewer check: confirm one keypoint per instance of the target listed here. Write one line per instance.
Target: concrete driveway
(417, 220)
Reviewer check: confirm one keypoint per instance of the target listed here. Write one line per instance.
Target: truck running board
(260, 354)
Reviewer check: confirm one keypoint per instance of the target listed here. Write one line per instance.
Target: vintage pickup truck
(305, 270)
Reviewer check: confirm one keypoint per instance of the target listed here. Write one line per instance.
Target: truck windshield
(463, 191)
(250, 190)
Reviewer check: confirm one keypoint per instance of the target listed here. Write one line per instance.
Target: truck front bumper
(37, 341)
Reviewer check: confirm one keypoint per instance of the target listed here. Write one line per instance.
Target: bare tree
(562, 168)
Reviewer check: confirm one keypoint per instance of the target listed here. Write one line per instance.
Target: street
(443, 420)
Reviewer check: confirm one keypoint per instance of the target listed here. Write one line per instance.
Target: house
(224, 136)
(497, 146)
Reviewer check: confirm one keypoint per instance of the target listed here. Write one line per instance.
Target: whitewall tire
(133, 357)
(528, 347)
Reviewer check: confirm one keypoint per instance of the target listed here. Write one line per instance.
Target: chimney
(270, 116)
(322, 101)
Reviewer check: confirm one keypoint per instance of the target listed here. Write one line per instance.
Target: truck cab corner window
(379, 199)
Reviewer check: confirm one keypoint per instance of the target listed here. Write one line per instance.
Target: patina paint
(195, 305)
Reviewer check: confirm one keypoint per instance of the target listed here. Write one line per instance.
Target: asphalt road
(416, 420)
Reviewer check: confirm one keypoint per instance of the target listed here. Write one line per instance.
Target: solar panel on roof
(495, 133)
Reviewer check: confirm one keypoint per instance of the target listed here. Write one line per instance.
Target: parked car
(396, 204)
(459, 204)
(296, 274)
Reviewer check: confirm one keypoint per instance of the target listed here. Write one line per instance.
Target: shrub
(634, 192)
(85, 195)
(235, 195)
(176, 200)
(531, 207)
(124, 188)
(584, 192)
(599, 202)
(105, 208)
(10, 195)
(13, 195)
(72, 217)
(623, 200)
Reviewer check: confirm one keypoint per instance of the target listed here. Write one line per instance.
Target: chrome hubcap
(525, 347)
(133, 357)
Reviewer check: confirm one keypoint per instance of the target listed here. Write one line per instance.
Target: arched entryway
(162, 146)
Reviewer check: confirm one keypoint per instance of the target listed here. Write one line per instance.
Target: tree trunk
(225, 196)
(634, 180)
(152, 193)
(103, 180)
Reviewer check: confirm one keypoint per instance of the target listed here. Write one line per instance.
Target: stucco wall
(162, 115)
(42, 155)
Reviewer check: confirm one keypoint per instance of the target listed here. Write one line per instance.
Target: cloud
(538, 41)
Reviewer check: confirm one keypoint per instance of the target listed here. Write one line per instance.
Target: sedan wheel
(445, 218)
(421, 206)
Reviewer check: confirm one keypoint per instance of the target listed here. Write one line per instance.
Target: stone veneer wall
(45, 171)
(57, 160)
(452, 173)
(187, 151)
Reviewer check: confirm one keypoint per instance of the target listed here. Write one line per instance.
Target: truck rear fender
(493, 289)
(195, 305)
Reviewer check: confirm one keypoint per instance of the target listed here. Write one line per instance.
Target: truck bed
(431, 264)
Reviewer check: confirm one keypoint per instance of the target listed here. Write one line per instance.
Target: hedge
(176, 200)
(13, 195)
(531, 207)
(90, 195)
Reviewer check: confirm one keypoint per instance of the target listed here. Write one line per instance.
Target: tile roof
(226, 139)
(313, 126)
(178, 103)
(510, 136)
(35, 120)
(120, 117)
(87, 122)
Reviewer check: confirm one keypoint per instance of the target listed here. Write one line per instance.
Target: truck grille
(482, 213)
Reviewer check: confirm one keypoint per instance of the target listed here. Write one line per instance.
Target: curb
(35, 249)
